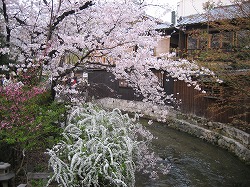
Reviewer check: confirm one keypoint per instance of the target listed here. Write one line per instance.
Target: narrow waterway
(195, 163)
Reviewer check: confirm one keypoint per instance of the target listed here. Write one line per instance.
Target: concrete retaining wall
(225, 136)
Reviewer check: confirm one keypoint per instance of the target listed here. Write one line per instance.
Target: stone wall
(222, 135)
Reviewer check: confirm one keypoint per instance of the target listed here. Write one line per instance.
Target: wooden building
(224, 28)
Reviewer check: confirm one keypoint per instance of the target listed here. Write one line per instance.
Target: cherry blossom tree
(45, 32)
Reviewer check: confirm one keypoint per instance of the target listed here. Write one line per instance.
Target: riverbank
(222, 135)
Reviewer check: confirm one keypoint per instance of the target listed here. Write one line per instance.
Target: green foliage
(39, 119)
(37, 183)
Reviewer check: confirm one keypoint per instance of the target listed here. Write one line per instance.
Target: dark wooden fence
(104, 84)
(203, 105)
(192, 101)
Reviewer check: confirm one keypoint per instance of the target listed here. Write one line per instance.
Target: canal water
(195, 163)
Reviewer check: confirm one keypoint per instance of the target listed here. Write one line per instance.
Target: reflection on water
(194, 162)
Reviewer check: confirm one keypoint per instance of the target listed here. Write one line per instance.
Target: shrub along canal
(194, 162)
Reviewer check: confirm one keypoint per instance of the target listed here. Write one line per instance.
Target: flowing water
(195, 163)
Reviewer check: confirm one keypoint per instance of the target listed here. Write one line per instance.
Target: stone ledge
(215, 138)
(224, 129)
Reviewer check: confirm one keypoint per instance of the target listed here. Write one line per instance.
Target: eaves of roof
(165, 25)
(218, 13)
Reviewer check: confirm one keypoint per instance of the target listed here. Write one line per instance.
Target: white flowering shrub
(102, 148)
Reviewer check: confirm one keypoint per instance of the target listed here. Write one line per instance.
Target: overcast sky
(161, 12)
(193, 7)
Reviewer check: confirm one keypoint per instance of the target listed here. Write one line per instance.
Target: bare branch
(65, 14)
(6, 19)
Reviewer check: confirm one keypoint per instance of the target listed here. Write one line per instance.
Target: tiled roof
(218, 13)
(163, 26)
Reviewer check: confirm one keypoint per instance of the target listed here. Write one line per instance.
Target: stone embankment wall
(222, 135)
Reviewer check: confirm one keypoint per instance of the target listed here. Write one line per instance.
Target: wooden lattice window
(227, 40)
(215, 41)
(192, 42)
(243, 38)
